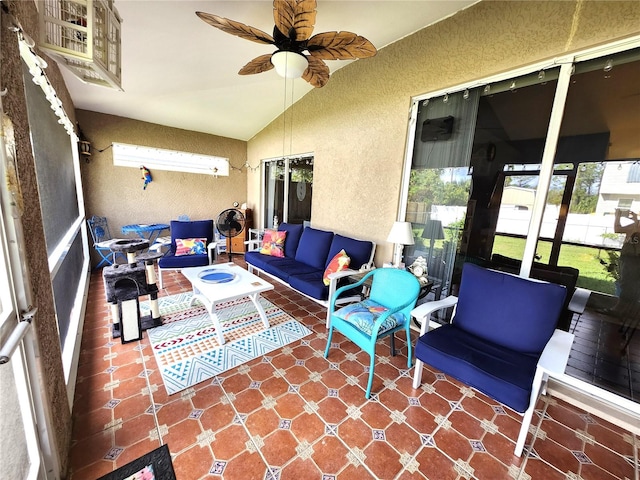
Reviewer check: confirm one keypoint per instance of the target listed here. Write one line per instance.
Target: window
(625, 203)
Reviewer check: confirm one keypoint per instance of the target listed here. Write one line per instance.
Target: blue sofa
(502, 327)
(307, 253)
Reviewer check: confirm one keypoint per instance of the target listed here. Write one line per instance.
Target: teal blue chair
(392, 295)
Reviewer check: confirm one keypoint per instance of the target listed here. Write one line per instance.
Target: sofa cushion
(501, 373)
(294, 231)
(310, 284)
(314, 248)
(359, 251)
(261, 261)
(183, 261)
(526, 310)
(288, 268)
(280, 267)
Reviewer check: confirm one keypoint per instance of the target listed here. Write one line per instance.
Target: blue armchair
(392, 295)
(181, 231)
(502, 339)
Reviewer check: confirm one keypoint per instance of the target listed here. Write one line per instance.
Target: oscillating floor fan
(230, 224)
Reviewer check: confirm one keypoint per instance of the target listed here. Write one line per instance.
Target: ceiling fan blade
(317, 73)
(257, 65)
(236, 28)
(295, 18)
(340, 46)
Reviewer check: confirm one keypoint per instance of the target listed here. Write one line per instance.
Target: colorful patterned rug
(186, 346)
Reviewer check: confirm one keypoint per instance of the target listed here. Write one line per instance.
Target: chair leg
(326, 350)
(409, 351)
(370, 382)
(104, 262)
(528, 415)
(417, 374)
(392, 344)
(160, 278)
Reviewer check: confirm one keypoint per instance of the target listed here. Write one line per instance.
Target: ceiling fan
(294, 22)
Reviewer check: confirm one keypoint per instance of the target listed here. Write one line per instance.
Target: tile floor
(295, 415)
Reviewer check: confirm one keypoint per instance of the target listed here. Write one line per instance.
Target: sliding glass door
(550, 183)
(287, 190)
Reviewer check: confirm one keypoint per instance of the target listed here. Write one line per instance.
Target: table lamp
(400, 235)
(432, 231)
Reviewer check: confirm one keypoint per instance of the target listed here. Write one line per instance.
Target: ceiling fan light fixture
(289, 64)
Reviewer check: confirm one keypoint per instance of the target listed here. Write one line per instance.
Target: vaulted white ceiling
(180, 72)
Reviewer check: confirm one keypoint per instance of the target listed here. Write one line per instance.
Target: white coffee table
(222, 282)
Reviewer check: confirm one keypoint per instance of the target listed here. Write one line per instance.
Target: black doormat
(155, 465)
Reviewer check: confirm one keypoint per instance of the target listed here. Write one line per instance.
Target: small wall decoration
(146, 176)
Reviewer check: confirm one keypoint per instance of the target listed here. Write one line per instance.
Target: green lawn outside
(593, 275)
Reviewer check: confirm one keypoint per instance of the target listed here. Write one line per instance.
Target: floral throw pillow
(273, 243)
(191, 246)
(337, 263)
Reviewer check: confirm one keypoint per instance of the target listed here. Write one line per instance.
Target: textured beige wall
(116, 192)
(357, 124)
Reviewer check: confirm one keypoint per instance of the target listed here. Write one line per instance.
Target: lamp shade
(289, 64)
(433, 230)
(401, 233)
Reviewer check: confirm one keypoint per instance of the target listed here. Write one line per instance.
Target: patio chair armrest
(424, 311)
(556, 352)
(347, 272)
(380, 320)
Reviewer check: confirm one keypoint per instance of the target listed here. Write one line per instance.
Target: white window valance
(135, 156)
